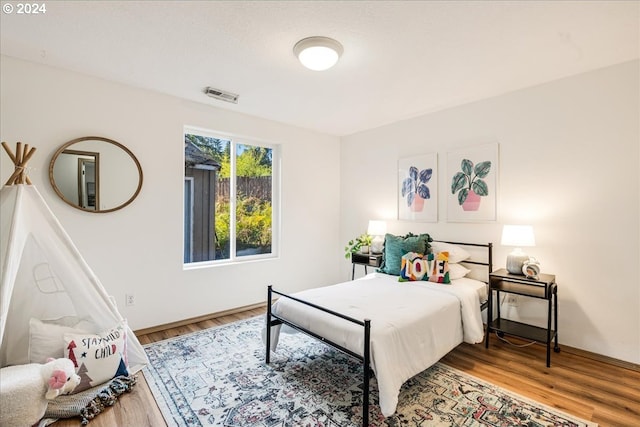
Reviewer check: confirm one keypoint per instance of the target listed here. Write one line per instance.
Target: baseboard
(601, 358)
(185, 322)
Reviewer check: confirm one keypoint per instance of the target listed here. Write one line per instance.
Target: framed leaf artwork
(418, 188)
(472, 184)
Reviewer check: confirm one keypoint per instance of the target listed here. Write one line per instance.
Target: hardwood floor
(594, 390)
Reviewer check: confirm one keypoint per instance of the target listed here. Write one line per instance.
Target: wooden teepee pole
(19, 159)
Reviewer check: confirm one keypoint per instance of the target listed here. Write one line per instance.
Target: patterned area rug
(218, 377)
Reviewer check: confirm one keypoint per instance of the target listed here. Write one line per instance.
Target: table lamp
(518, 236)
(377, 229)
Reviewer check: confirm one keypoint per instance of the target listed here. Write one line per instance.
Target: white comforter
(413, 324)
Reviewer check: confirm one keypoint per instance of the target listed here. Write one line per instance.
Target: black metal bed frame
(274, 320)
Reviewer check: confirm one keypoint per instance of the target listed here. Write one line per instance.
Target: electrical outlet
(512, 300)
(129, 300)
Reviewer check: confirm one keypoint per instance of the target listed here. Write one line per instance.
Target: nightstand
(368, 260)
(544, 287)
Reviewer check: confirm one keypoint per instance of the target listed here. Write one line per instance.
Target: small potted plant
(470, 185)
(359, 244)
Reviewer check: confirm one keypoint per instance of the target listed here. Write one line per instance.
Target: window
(229, 209)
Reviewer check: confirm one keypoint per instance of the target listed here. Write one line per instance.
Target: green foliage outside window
(253, 223)
(251, 161)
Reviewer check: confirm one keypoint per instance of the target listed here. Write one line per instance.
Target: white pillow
(98, 357)
(46, 338)
(456, 253)
(457, 271)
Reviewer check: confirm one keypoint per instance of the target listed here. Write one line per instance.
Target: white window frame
(275, 197)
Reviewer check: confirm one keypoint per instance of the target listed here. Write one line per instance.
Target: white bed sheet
(413, 324)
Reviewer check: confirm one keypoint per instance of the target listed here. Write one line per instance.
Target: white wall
(138, 249)
(569, 161)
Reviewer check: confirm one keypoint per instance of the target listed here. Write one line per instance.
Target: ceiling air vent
(222, 95)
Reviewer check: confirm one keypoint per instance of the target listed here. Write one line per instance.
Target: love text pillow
(431, 267)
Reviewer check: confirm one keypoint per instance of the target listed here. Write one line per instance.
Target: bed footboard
(274, 319)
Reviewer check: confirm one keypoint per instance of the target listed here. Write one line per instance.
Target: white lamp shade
(518, 235)
(377, 228)
(318, 53)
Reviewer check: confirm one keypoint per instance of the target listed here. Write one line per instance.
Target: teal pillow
(396, 246)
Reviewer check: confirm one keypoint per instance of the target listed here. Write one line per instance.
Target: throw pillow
(439, 268)
(431, 267)
(414, 267)
(46, 338)
(457, 271)
(98, 357)
(396, 246)
(456, 253)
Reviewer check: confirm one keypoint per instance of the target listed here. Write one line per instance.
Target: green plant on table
(356, 244)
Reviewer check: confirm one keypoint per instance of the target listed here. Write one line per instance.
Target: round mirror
(95, 174)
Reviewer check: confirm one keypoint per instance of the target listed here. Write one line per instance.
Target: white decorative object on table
(531, 268)
(377, 229)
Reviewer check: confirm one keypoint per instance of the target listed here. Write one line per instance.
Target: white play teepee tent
(43, 274)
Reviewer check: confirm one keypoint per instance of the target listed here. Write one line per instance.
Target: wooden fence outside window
(248, 186)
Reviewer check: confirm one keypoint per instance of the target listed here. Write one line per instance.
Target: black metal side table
(544, 287)
(367, 260)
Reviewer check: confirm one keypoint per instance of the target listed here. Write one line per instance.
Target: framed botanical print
(472, 184)
(418, 188)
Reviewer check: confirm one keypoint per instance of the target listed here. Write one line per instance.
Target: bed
(397, 329)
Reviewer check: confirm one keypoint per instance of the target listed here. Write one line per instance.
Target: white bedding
(413, 324)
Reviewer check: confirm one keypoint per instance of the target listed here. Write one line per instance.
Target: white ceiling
(401, 58)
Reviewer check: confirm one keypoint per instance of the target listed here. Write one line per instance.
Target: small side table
(368, 260)
(544, 287)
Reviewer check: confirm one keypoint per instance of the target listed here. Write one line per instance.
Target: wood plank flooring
(594, 390)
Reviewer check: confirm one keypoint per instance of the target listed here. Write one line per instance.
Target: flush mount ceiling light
(318, 53)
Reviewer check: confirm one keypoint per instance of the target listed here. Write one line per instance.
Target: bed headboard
(481, 261)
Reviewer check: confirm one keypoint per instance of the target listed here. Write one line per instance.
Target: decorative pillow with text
(98, 357)
(430, 267)
(414, 267)
(439, 268)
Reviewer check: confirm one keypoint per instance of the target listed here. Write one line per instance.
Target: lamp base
(377, 244)
(515, 263)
